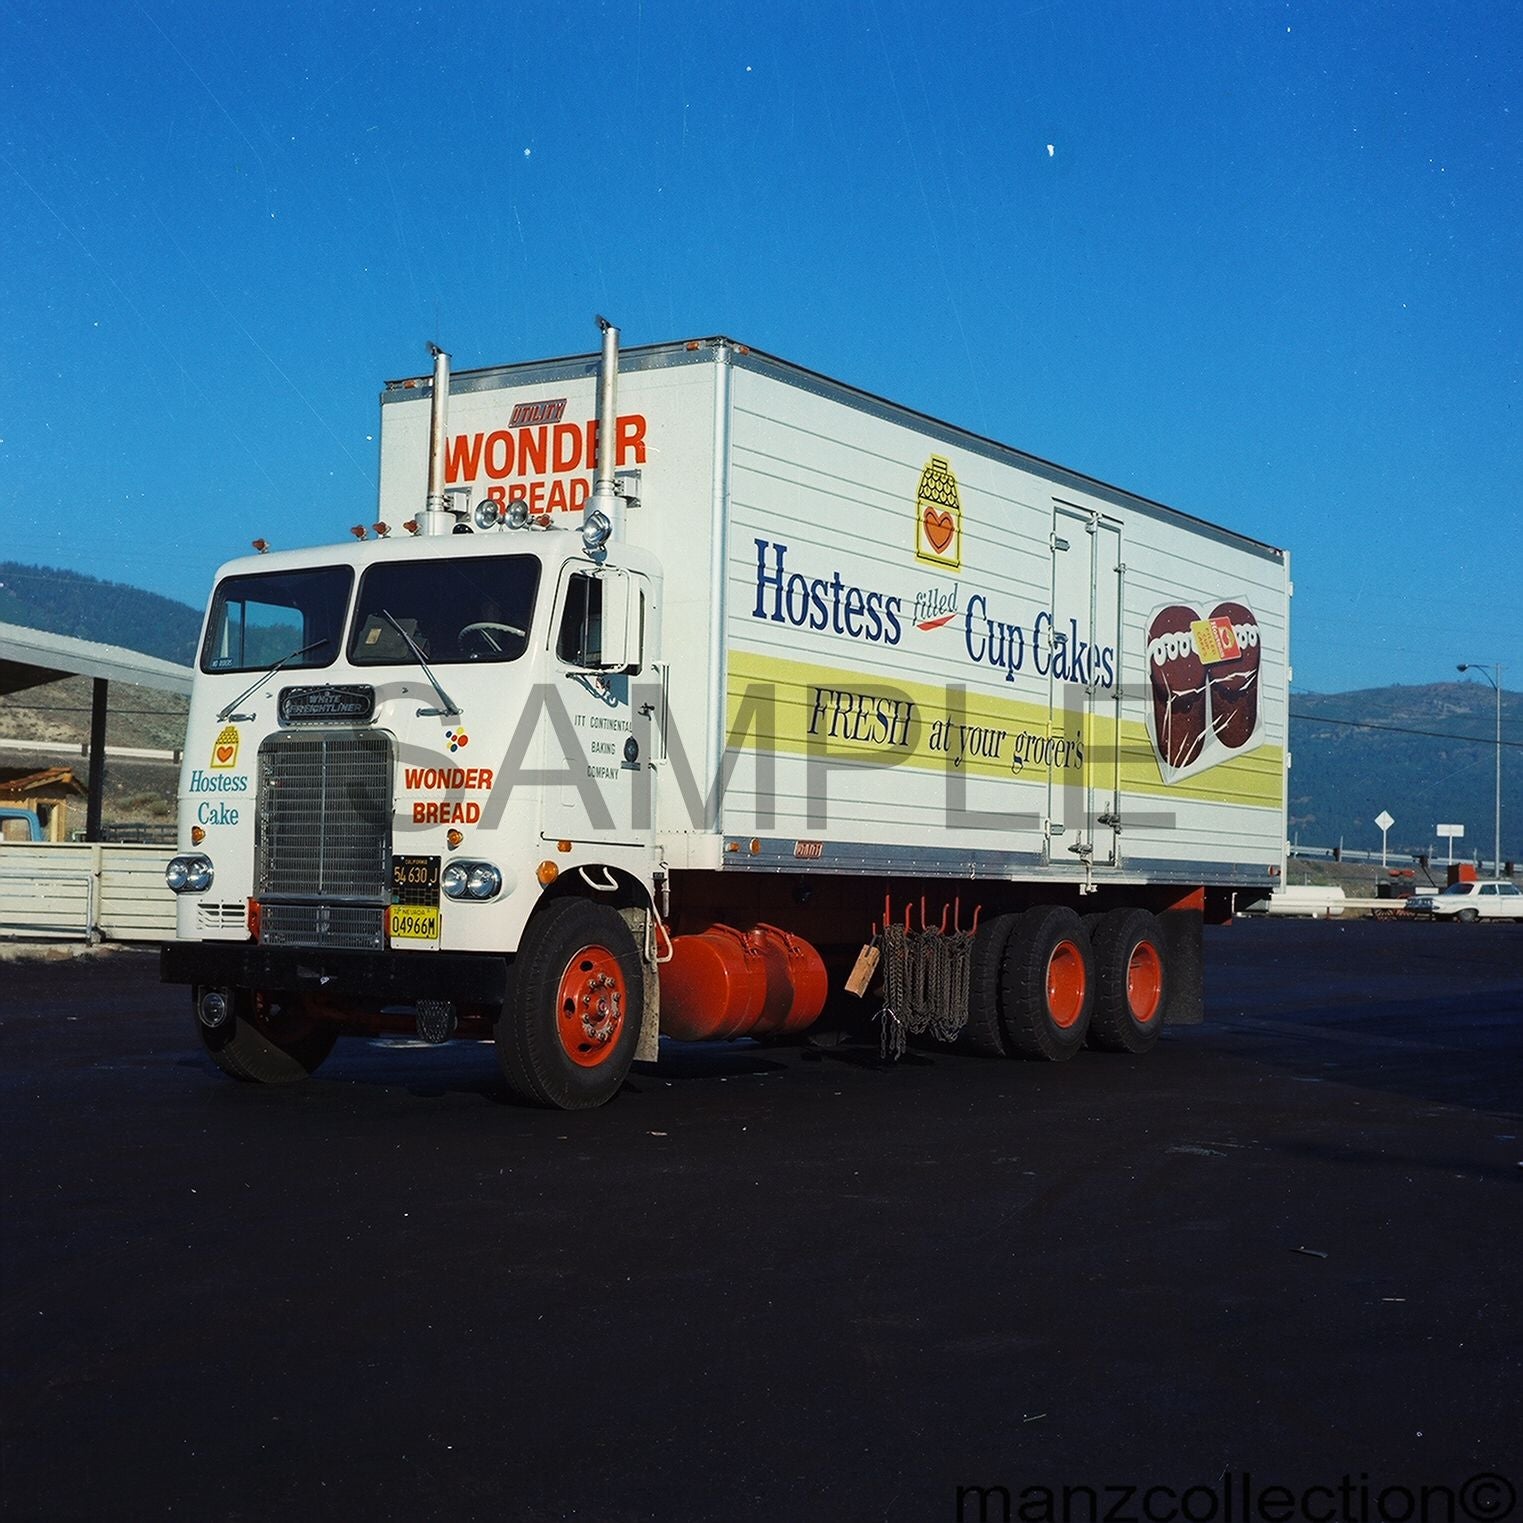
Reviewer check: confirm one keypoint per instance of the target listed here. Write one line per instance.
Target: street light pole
(1496, 682)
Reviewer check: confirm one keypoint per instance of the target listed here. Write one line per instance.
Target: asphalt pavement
(779, 1284)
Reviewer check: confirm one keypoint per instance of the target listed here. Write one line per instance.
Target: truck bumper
(385, 977)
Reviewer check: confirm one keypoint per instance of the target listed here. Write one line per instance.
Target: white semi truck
(674, 691)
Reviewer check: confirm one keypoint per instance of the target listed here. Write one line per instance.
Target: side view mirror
(603, 623)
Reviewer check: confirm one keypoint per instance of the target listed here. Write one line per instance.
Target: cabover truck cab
(701, 689)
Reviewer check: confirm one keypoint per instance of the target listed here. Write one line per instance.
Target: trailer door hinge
(1110, 821)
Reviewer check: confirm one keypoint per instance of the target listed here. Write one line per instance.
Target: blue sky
(1261, 261)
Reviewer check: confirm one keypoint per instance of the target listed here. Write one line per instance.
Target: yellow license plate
(414, 922)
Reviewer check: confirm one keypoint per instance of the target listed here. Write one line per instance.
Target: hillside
(1403, 756)
(66, 603)
(1402, 749)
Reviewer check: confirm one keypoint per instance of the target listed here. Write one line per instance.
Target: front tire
(1048, 984)
(568, 1034)
(264, 1040)
(1468, 917)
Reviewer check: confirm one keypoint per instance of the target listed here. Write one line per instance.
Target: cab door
(599, 736)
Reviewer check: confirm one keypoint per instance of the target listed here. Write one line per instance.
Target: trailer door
(1083, 779)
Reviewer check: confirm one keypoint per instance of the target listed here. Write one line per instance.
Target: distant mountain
(66, 603)
(1425, 754)
(1404, 752)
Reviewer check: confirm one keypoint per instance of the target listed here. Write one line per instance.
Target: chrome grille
(322, 874)
(322, 925)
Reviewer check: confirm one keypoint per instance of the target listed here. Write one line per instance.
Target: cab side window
(580, 641)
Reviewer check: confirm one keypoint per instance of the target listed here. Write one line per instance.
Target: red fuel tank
(724, 983)
(714, 986)
(796, 982)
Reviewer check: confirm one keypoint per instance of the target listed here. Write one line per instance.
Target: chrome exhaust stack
(601, 520)
(437, 516)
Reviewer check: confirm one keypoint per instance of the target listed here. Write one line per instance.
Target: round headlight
(176, 873)
(488, 514)
(453, 879)
(483, 880)
(198, 874)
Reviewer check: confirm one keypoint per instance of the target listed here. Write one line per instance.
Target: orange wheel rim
(591, 1006)
(1067, 983)
(1144, 982)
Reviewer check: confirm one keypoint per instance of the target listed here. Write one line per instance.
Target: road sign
(1452, 831)
(1384, 820)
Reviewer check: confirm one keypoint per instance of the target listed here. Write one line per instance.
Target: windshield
(263, 618)
(477, 608)
(1460, 888)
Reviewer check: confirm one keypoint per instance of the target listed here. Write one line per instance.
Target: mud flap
(642, 929)
(1185, 967)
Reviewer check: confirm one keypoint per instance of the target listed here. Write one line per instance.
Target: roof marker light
(357, 530)
(261, 545)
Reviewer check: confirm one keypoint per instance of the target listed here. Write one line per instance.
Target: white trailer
(696, 672)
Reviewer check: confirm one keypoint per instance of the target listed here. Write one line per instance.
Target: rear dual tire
(1130, 979)
(1047, 985)
(1044, 983)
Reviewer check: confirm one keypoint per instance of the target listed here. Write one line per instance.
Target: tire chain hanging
(925, 985)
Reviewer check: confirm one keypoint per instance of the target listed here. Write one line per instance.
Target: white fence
(80, 890)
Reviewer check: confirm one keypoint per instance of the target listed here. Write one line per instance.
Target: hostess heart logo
(938, 515)
(939, 529)
(225, 749)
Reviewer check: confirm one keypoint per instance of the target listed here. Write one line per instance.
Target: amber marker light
(357, 530)
(381, 530)
(547, 873)
(261, 545)
(411, 526)
(563, 845)
(454, 837)
(197, 835)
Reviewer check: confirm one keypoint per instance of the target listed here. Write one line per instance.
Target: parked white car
(1486, 900)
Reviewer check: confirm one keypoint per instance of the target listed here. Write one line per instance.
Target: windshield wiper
(265, 676)
(451, 708)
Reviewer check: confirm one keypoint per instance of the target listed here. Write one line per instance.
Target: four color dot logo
(456, 739)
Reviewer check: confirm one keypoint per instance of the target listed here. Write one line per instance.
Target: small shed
(49, 793)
